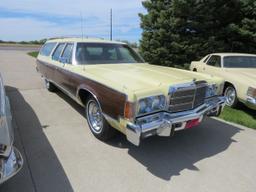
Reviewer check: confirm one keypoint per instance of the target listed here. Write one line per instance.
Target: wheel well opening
(84, 96)
(226, 84)
(195, 70)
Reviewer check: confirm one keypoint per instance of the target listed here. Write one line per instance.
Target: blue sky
(37, 19)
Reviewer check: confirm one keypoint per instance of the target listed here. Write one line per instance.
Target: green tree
(175, 32)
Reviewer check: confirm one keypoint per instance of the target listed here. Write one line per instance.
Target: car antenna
(111, 25)
(82, 25)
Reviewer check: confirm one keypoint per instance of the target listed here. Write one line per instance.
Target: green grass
(243, 116)
(33, 54)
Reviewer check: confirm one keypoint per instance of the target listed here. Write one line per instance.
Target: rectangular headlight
(151, 104)
(212, 90)
(251, 92)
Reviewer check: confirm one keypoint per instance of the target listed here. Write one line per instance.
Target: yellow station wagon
(119, 91)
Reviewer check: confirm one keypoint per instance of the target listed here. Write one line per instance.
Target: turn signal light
(129, 110)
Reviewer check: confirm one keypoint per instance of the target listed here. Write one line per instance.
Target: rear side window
(47, 49)
(58, 51)
(95, 51)
(67, 53)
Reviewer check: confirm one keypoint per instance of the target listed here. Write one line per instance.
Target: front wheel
(96, 121)
(231, 96)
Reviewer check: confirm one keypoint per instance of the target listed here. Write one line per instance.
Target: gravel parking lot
(61, 154)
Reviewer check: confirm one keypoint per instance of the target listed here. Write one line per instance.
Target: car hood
(247, 75)
(141, 76)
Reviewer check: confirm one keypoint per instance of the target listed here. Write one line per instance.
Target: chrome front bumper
(11, 165)
(165, 123)
(251, 103)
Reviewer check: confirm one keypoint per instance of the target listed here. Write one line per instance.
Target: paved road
(19, 47)
(62, 155)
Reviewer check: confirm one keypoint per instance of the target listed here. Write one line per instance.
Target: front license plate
(192, 123)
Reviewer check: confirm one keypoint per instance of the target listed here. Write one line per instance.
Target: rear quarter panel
(196, 66)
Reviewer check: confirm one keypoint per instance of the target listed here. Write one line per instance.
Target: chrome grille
(187, 96)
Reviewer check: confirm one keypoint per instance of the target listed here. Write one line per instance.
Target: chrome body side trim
(66, 92)
(165, 123)
(79, 75)
(77, 99)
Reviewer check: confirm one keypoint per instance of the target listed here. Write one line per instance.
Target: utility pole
(111, 25)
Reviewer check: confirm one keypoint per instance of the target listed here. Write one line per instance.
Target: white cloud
(27, 29)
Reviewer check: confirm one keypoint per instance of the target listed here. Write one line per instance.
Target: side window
(214, 61)
(67, 53)
(95, 51)
(58, 51)
(47, 49)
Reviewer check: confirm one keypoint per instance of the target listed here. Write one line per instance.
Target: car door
(65, 72)
(44, 61)
(213, 65)
(57, 78)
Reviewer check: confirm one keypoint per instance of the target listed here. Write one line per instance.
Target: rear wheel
(50, 86)
(231, 96)
(96, 121)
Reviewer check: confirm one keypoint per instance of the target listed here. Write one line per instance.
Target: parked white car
(10, 158)
(238, 71)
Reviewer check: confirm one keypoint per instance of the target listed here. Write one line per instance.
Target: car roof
(233, 54)
(84, 40)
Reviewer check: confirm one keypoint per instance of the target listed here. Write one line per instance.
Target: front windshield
(240, 61)
(105, 53)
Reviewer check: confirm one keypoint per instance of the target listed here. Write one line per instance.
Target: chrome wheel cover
(230, 94)
(94, 116)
